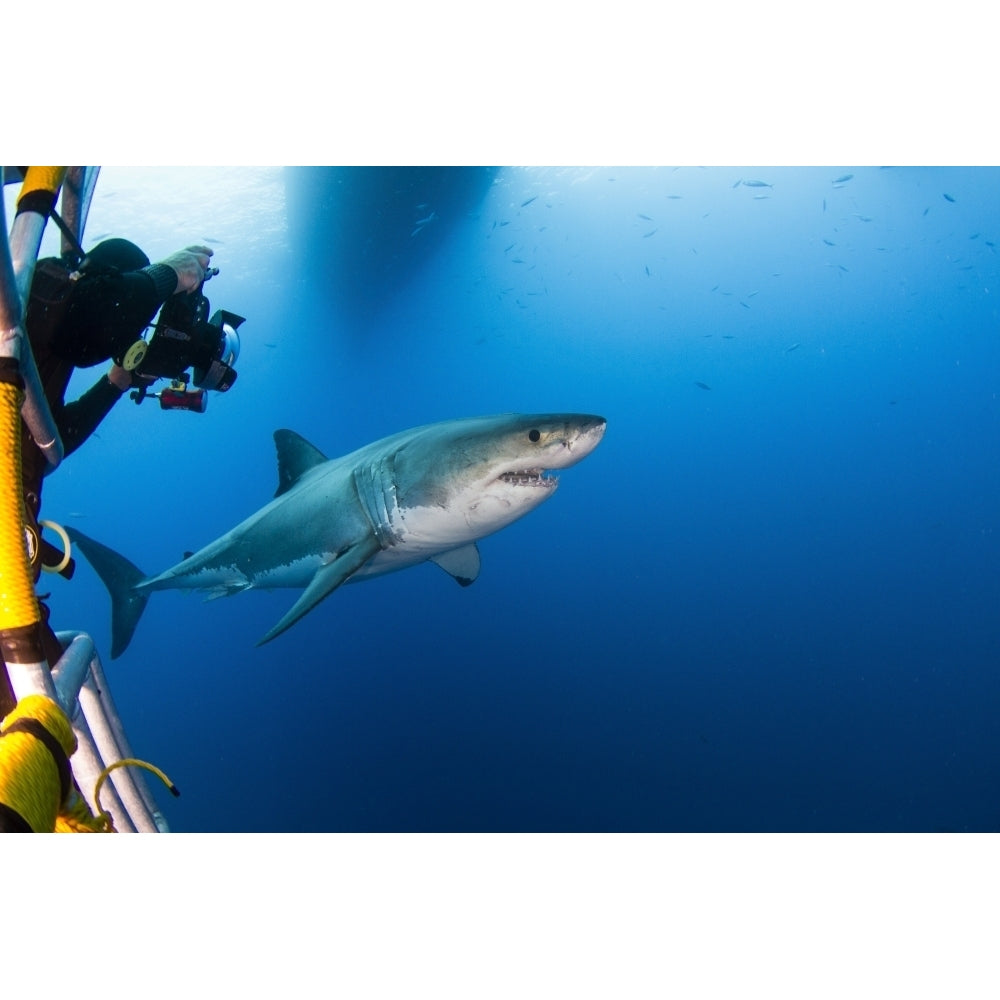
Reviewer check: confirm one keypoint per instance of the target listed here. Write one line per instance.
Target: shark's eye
(534, 435)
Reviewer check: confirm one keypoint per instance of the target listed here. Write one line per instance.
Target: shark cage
(61, 738)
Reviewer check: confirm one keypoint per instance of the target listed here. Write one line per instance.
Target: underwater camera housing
(186, 345)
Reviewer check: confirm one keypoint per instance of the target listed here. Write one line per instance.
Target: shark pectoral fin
(324, 582)
(462, 564)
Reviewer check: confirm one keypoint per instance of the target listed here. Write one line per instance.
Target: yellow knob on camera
(134, 355)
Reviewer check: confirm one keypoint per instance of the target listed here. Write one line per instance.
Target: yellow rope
(18, 604)
(30, 777)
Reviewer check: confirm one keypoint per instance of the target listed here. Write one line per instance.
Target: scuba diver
(82, 312)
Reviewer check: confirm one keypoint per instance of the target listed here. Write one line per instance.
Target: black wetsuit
(105, 314)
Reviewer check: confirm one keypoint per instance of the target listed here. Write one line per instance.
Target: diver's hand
(189, 265)
(120, 378)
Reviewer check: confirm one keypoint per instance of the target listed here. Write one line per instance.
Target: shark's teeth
(528, 477)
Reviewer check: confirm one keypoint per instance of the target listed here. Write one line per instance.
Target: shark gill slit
(373, 484)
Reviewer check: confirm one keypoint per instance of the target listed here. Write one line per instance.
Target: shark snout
(579, 436)
(588, 436)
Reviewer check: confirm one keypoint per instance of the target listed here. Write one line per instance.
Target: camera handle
(177, 397)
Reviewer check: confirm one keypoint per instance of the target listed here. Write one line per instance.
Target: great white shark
(429, 493)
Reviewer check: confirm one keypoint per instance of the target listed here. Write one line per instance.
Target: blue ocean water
(767, 602)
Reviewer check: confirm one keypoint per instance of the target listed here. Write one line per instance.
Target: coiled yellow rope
(36, 742)
(36, 790)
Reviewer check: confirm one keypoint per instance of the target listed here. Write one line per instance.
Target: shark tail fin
(120, 577)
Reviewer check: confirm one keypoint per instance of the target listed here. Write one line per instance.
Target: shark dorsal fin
(296, 456)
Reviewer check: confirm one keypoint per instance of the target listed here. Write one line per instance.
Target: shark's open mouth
(529, 477)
